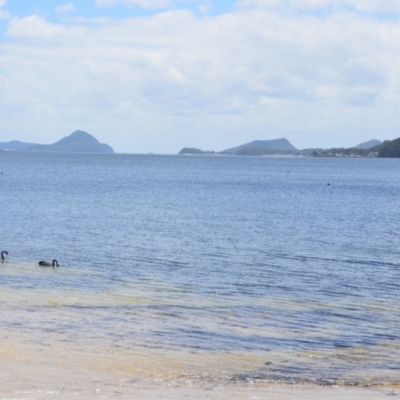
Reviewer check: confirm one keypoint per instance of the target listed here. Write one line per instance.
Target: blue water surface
(254, 254)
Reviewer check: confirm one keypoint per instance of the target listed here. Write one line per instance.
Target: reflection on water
(200, 270)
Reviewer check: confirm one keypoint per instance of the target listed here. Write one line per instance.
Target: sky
(153, 76)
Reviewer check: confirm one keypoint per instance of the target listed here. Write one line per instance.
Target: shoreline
(99, 389)
(21, 380)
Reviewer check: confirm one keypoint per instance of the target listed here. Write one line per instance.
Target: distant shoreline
(287, 156)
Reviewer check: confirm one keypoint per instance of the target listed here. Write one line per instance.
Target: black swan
(47, 264)
(2, 254)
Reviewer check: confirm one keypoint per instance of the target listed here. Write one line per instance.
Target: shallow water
(207, 269)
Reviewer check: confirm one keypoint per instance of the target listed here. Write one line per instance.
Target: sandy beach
(25, 390)
(24, 381)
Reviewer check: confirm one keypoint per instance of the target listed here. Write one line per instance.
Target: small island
(76, 142)
(194, 151)
(282, 147)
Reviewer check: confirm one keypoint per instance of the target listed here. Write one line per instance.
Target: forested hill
(389, 148)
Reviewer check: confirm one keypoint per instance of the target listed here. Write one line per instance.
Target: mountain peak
(369, 144)
(76, 142)
(79, 136)
(258, 146)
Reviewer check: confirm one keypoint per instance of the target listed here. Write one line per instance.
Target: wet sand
(24, 381)
(34, 366)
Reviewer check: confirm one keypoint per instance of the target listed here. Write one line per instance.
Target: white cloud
(65, 8)
(141, 3)
(172, 80)
(205, 6)
(359, 5)
(35, 27)
(4, 14)
(260, 3)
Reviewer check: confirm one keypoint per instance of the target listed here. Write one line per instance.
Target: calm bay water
(211, 268)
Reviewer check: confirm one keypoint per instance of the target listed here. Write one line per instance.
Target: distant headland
(76, 142)
(282, 147)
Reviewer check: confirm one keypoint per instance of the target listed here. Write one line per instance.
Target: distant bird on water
(2, 255)
(48, 264)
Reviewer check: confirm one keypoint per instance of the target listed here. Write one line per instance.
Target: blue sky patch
(47, 9)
